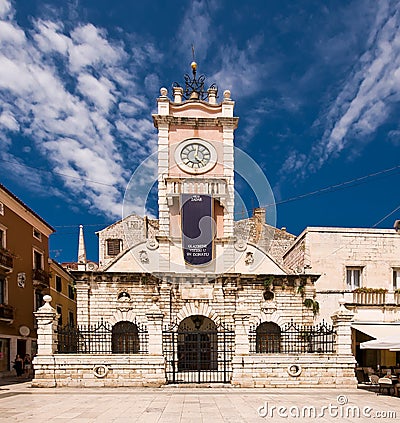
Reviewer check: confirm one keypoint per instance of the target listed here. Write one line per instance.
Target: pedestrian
(27, 365)
(19, 365)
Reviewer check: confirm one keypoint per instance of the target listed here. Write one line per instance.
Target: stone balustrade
(369, 298)
(197, 186)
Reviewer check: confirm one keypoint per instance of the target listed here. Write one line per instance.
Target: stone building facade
(362, 267)
(194, 297)
(24, 277)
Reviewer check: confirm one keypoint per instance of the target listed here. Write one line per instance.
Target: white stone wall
(271, 371)
(111, 370)
(159, 303)
(328, 251)
(131, 230)
(173, 294)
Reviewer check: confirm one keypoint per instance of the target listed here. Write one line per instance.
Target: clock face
(195, 155)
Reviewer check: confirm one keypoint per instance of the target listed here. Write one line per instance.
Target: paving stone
(179, 404)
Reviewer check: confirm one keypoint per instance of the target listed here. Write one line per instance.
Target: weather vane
(194, 87)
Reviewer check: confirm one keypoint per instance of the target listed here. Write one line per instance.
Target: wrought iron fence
(293, 338)
(198, 356)
(103, 338)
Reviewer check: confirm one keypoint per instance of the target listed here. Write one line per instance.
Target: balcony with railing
(41, 278)
(6, 260)
(6, 313)
(369, 296)
(216, 187)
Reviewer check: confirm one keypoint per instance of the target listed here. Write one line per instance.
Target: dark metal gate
(198, 356)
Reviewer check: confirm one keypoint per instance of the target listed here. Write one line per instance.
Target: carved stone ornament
(240, 245)
(143, 257)
(152, 244)
(124, 297)
(249, 258)
(268, 307)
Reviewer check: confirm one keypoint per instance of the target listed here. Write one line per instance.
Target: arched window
(125, 338)
(268, 338)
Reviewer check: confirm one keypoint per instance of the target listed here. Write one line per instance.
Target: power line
(331, 188)
(336, 187)
(384, 218)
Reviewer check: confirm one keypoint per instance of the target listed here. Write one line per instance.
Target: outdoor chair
(374, 379)
(385, 383)
(360, 376)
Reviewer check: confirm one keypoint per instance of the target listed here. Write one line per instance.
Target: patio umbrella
(395, 347)
(381, 344)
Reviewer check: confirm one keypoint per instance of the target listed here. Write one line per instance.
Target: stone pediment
(143, 257)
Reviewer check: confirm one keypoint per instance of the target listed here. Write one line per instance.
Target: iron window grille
(292, 338)
(103, 338)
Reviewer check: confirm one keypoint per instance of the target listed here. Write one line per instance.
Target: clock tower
(195, 177)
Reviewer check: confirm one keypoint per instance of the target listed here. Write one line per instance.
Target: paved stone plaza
(21, 403)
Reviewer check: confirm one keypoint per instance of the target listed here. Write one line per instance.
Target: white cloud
(91, 48)
(98, 90)
(9, 33)
(59, 89)
(240, 69)
(363, 105)
(49, 37)
(132, 107)
(14, 76)
(5, 9)
(394, 136)
(366, 97)
(195, 30)
(8, 121)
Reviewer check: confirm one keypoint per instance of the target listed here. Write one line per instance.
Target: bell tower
(195, 172)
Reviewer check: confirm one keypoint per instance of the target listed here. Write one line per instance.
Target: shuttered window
(113, 247)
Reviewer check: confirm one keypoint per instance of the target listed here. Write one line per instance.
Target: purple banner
(197, 228)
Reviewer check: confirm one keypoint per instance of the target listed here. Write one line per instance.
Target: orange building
(24, 276)
(62, 290)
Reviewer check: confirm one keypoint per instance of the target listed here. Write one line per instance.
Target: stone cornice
(242, 279)
(195, 121)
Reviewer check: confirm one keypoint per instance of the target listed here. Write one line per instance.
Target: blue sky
(316, 85)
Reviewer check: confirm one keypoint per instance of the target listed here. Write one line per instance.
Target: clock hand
(196, 152)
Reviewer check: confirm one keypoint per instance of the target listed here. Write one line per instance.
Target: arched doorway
(125, 338)
(268, 338)
(198, 351)
(197, 344)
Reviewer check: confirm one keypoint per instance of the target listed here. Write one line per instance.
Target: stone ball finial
(47, 299)
(163, 92)
(227, 94)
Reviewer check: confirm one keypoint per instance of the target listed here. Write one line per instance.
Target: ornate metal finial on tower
(194, 87)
